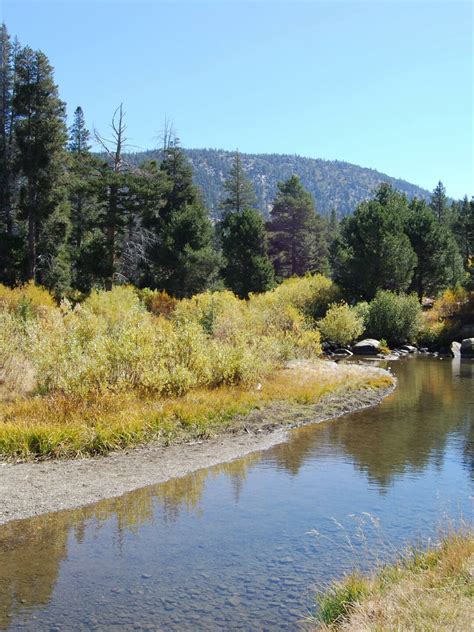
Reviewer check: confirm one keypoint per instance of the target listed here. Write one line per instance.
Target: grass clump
(336, 604)
(431, 591)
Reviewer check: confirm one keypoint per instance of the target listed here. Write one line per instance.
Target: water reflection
(428, 417)
(31, 551)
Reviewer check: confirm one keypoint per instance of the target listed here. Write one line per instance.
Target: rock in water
(467, 348)
(342, 353)
(369, 346)
(456, 349)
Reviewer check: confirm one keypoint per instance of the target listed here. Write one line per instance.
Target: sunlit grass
(61, 426)
(430, 590)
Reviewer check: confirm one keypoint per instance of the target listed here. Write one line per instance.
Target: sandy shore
(30, 489)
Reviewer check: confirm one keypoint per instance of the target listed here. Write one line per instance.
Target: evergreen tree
(296, 233)
(240, 192)
(182, 259)
(464, 230)
(439, 203)
(438, 263)
(247, 267)
(41, 135)
(84, 190)
(373, 252)
(6, 115)
(11, 238)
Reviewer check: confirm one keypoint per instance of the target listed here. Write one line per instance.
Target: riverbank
(431, 590)
(319, 391)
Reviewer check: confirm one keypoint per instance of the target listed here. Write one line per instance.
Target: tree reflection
(407, 432)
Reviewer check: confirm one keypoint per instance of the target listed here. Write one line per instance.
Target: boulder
(342, 353)
(455, 349)
(368, 346)
(467, 348)
(409, 348)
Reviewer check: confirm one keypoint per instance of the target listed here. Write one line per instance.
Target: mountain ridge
(334, 184)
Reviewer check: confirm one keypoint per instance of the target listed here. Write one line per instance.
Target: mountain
(333, 183)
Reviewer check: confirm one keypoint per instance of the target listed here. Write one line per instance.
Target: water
(245, 545)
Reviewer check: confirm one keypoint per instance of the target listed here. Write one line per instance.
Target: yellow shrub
(341, 325)
(29, 297)
(111, 342)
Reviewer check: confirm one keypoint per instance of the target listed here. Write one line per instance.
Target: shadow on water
(228, 546)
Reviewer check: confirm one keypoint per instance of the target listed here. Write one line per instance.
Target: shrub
(158, 303)
(341, 325)
(395, 317)
(26, 300)
(443, 323)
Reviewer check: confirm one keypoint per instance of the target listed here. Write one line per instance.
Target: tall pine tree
(182, 259)
(84, 190)
(247, 267)
(296, 233)
(439, 203)
(11, 241)
(41, 135)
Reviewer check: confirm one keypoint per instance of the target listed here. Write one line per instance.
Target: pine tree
(41, 135)
(464, 230)
(182, 259)
(84, 190)
(247, 267)
(11, 237)
(439, 203)
(296, 233)
(239, 190)
(6, 115)
(438, 263)
(373, 251)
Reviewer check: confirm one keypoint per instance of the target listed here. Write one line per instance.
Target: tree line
(72, 219)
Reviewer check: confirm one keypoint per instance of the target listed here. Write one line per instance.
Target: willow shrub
(394, 317)
(341, 325)
(112, 342)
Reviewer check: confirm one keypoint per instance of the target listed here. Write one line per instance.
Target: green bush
(394, 317)
(341, 325)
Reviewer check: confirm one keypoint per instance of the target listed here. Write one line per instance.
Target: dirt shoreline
(31, 489)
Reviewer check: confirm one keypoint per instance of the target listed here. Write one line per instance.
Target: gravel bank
(30, 489)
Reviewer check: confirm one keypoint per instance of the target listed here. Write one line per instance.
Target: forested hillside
(334, 184)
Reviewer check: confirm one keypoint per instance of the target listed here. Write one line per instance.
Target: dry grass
(61, 426)
(431, 592)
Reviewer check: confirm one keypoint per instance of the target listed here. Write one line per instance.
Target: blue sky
(386, 85)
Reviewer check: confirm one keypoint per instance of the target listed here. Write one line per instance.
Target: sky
(382, 84)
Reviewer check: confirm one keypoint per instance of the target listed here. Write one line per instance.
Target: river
(246, 545)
